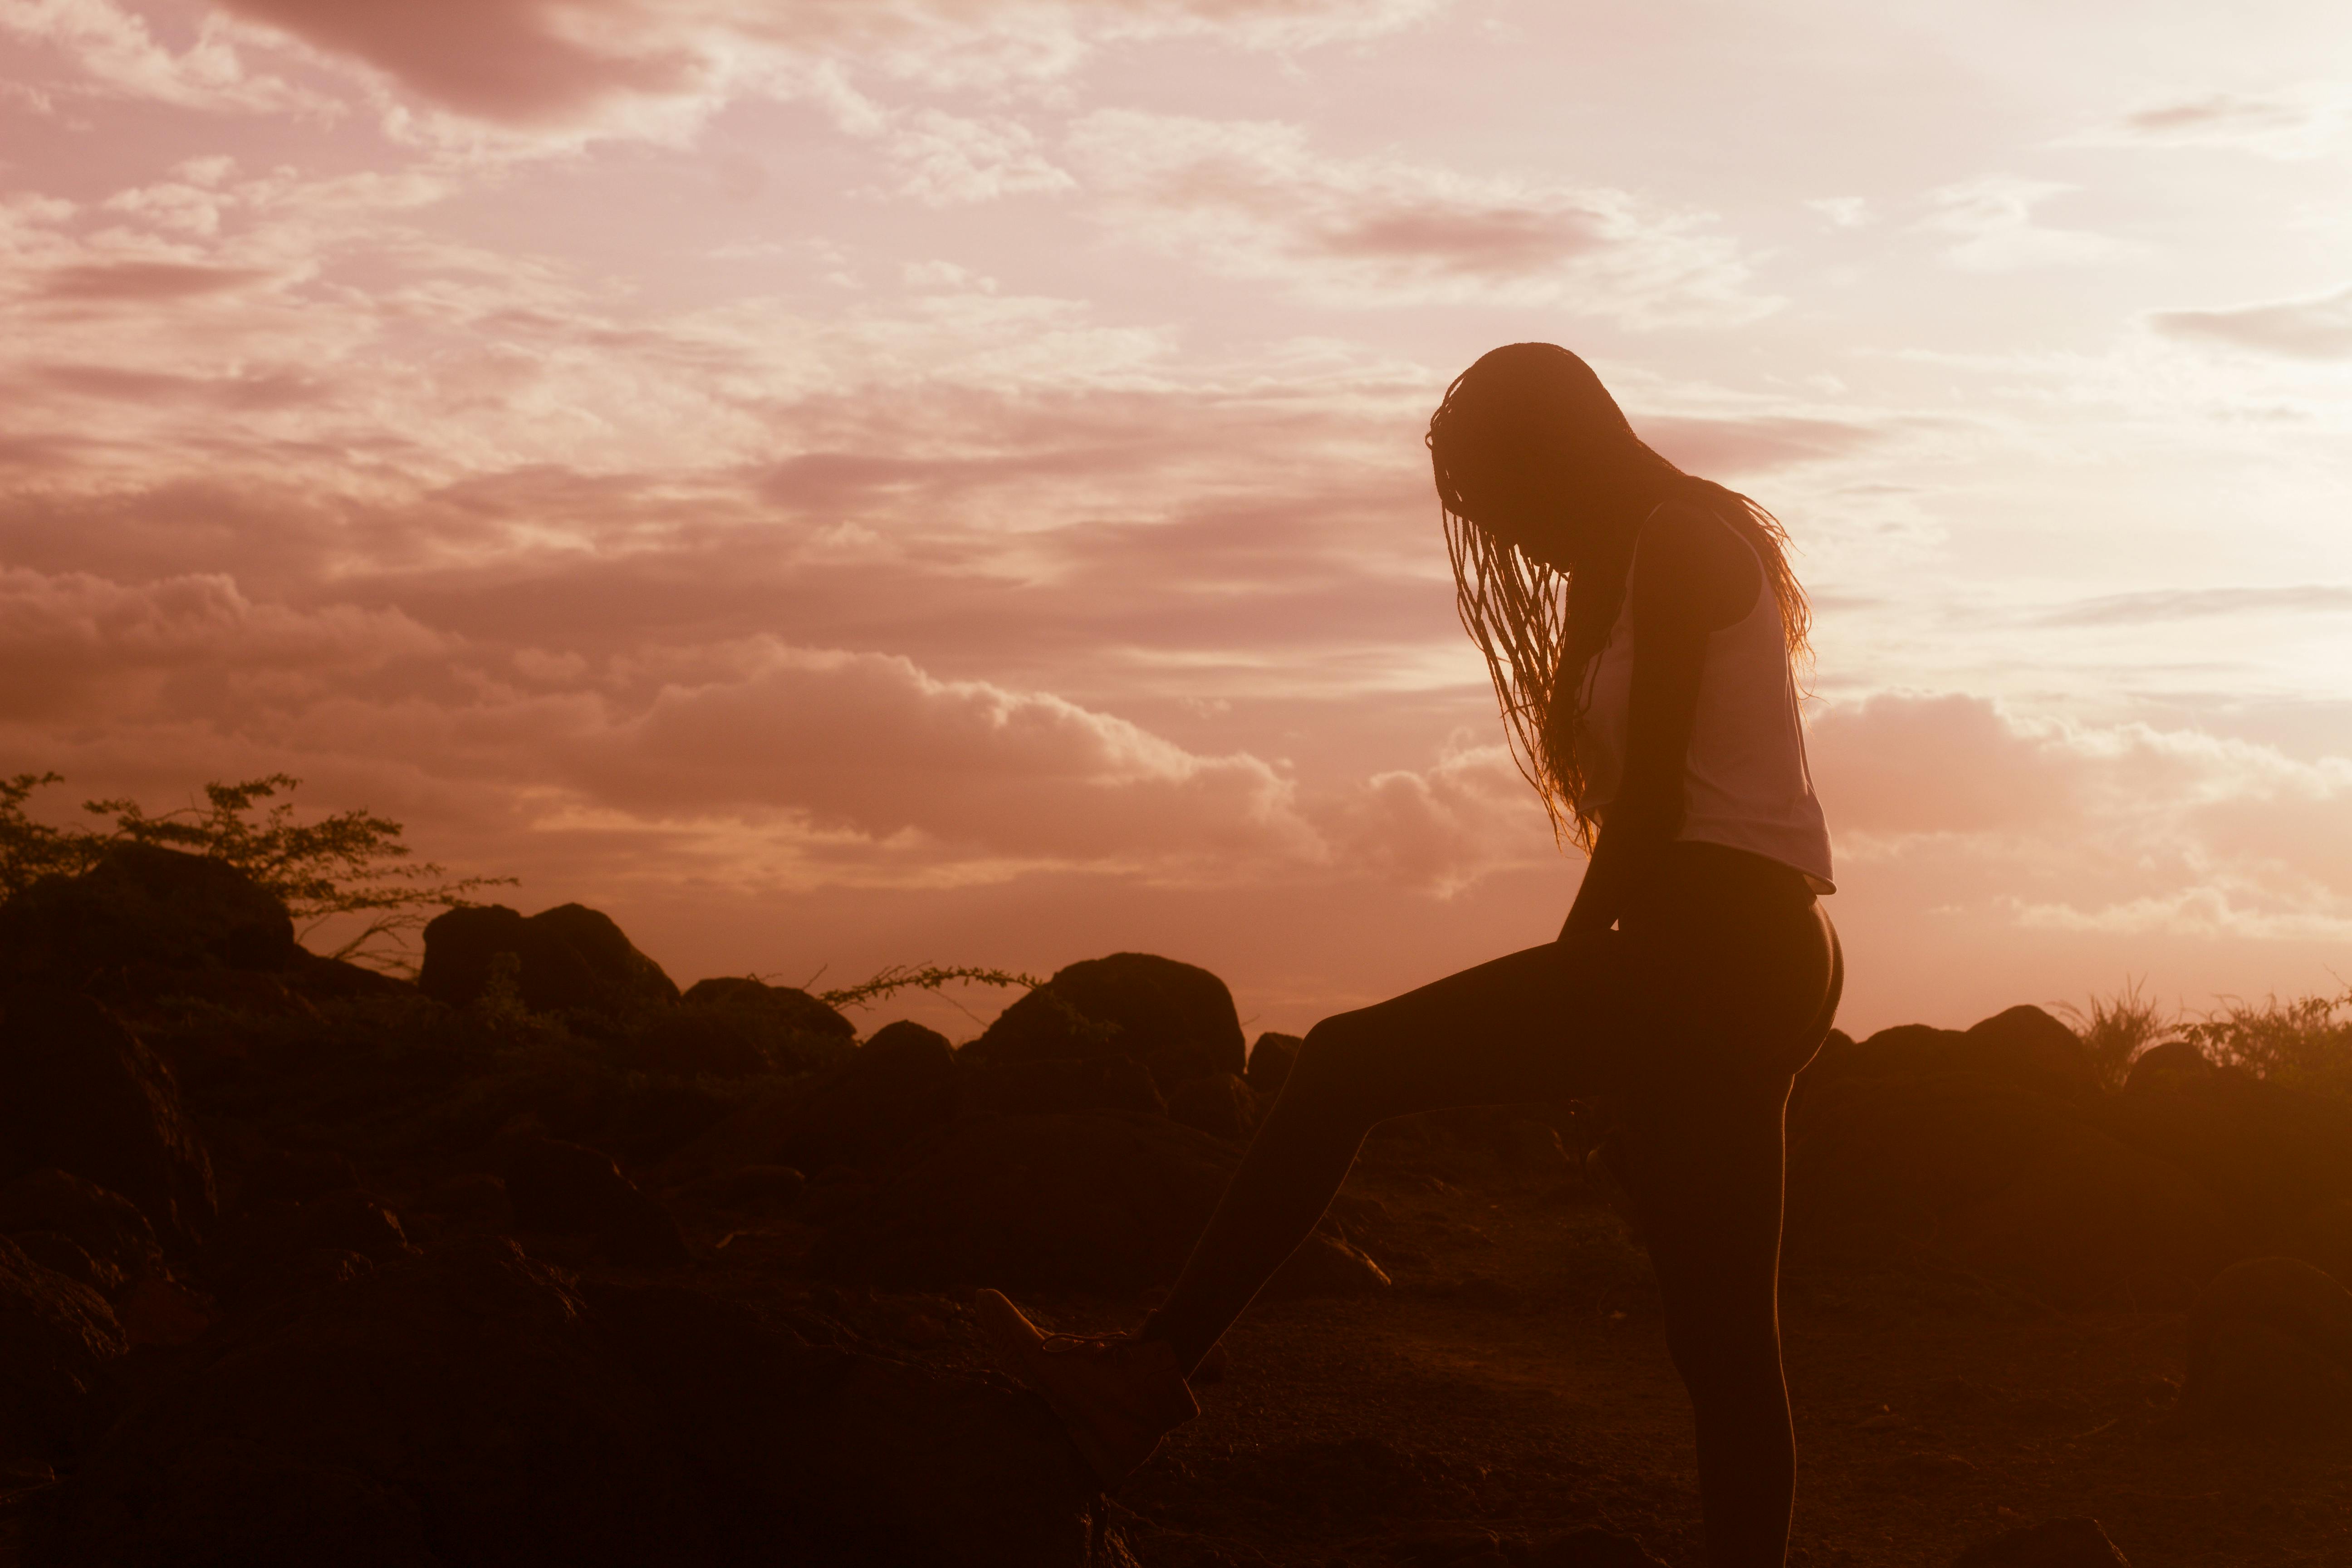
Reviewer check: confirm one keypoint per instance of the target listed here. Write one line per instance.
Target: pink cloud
(2319, 327)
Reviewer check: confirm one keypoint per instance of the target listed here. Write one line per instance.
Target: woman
(1640, 625)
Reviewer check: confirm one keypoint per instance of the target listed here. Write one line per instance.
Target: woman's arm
(1691, 577)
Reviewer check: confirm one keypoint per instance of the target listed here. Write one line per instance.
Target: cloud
(2060, 825)
(124, 282)
(1993, 220)
(2199, 604)
(945, 160)
(1253, 199)
(116, 49)
(2294, 123)
(2319, 327)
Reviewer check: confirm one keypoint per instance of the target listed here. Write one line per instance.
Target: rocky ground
(543, 1260)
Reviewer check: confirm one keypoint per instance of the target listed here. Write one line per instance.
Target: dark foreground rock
(56, 1335)
(477, 1407)
(2007, 1181)
(1098, 1200)
(2056, 1543)
(572, 1189)
(79, 1092)
(2270, 1351)
(106, 1226)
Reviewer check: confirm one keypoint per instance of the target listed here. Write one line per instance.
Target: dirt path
(1514, 1385)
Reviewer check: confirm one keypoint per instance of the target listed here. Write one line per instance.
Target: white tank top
(1747, 784)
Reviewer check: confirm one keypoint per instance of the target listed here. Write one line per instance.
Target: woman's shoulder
(1688, 552)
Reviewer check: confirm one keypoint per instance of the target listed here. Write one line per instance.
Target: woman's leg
(1705, 1175)
(1544, 1024)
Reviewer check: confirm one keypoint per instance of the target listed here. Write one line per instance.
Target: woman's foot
(1117, 1394)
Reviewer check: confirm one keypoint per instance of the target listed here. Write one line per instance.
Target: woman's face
(1531, 499)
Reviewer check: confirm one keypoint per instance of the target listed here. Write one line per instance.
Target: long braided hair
(1539, 625)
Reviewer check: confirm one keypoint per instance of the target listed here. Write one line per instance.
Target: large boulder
(2008, 1182)
(2270, 1350)
(897, 1091)
(2023, 1048)
(2053, 1544)
(107, 1226)
(567, 957)
(1270, 1060)
(735, 1026)
(80, 1093)
(1217, 1103)
(142, 906)
(1177, 1019)
(56, 1336)
(1095, 1201)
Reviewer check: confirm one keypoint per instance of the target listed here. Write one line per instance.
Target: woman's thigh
(1550, 1022)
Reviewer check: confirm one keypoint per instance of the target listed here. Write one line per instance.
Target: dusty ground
(1514, 1385)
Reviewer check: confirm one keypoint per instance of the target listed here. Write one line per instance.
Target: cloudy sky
(838, 482)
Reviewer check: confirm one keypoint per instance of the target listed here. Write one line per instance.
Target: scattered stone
(80, 1093)
(473, 1198)
(55, 1336)
(160, 1312)
(1219, 1104)
(567, 957)
(571, 1188)
(64, 1255)
(2055, 1543)
(319, 979)
(104, 1226)
(1270, 1061)
(2268, 1151)
(2022, 1048)
(2270, 1350)
(1325, 1266)
(1177, 1019)
(786, 1007)
(142, 905)
(698, 1043)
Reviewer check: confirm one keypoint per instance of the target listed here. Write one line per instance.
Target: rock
(1044, 1088)
(875, 1461)
(457, 1409)
(746, 1187)
(573, 1189)
(81, 1093)
(1325, 1266)
(1269, 1062)
(568, 956)
(2161, 1064)
(1593, 1549)
(297, 1175)
(785, 1007)
(105, 1226)
(2023, 1047)
(1219, 1104)
(274, 1248)
(2270, 1350)
(160, 1312)
(2009, 1183)
(146, 906)
(1096, 1200)
(697, 1042)
(898, 1088)
(66, 1257)
(2056, 1543)
(320, 979)
(1175, 1018)
(2267, 1150)
(55, 1337)
(473, 1199)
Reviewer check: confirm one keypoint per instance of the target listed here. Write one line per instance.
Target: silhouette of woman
(1641, 625)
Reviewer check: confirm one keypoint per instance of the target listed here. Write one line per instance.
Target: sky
(837, 483)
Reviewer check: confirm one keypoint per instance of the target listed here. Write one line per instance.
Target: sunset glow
(868, 481)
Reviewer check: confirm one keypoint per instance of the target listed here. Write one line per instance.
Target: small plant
(352, 863)
(900, 977)
(2116, 1030)
(2301, 1041)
